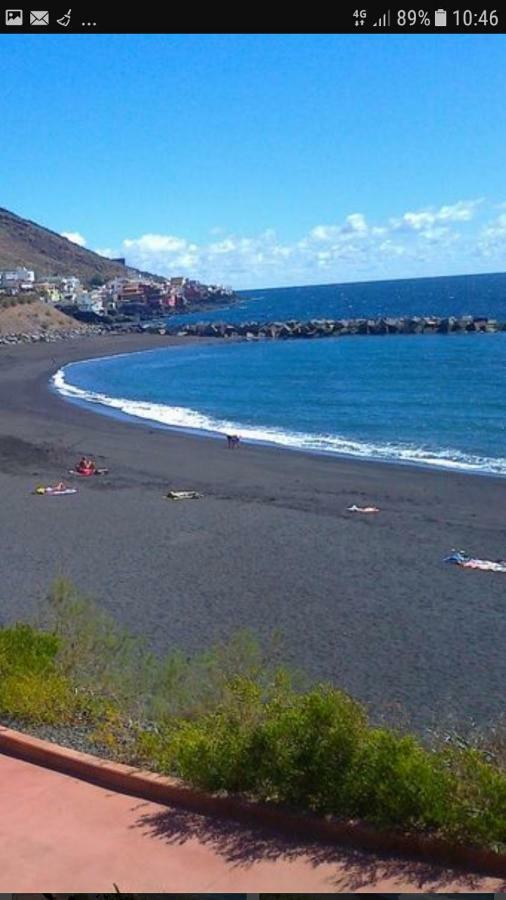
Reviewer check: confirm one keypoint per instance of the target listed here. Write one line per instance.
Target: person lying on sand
(51, 489)
(86, 465)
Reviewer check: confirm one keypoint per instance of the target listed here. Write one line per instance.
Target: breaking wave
(192, 420)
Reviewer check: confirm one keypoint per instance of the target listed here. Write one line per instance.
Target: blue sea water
(437, 400)
(477, 295)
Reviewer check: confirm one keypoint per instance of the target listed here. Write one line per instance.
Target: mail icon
(39, 17)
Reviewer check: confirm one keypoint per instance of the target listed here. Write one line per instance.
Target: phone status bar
(347, 20)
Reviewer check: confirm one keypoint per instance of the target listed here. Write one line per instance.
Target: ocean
(431, 400)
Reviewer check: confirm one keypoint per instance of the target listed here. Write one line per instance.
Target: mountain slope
(35, 317)
(24, 243)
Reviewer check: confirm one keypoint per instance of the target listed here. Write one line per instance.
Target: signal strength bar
(383, 22)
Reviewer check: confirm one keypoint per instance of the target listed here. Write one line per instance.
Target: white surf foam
(193, 420)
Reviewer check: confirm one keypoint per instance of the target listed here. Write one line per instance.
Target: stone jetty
(316, 328)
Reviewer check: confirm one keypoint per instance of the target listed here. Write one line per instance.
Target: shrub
(112, 733)
(191, 687)
(477, 812)
(95, 651)
(17, 300)
(283, 746)
(23, 650)
(490, 740)
(29, 697)
(32, 687)
(304, 745)
(215, 751)
(393, 780)
(232, 719)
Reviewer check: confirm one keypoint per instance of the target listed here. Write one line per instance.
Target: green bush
(50, 699)
(23, 650)
(191, 687)
(214, 750)
(303, 746)
(32, 686)
(312, 750)
(477, 812)
(316, 752)
(233, 719)
(393, 780)
(95, 651)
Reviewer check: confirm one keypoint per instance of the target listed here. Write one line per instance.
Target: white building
(70, 285)
(70, 289)
(17, 277)
(89, 303)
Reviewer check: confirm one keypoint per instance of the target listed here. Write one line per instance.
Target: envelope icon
(39, 17)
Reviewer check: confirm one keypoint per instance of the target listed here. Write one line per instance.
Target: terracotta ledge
(170, 791)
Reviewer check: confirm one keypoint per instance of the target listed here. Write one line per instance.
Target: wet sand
(365, 602)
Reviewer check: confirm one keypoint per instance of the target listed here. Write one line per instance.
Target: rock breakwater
(315, 328)
(64, 334)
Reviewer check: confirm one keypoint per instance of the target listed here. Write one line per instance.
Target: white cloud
(186, 261)
(389, 248)
(463, 211)
(107, 252)
(497, 227)
(343, 251)
(75, 237)
(416, 221)
(225, 246)
(492, 242)
(459, 212)
(155, 243)
(323, 232)
(356, 223)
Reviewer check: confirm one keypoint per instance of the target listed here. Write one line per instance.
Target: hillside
(34, 318)
(24, 243)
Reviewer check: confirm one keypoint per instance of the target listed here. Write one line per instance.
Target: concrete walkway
(60, 834)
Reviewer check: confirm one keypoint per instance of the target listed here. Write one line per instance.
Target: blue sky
(262, 160)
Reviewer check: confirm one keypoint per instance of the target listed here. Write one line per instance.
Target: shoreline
(364, 602)
(86, 401)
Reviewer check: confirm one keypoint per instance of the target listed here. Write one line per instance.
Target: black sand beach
(363, 601)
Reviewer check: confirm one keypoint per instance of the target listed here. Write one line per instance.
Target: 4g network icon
(360, 15)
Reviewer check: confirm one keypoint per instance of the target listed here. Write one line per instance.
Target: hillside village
(141, 297)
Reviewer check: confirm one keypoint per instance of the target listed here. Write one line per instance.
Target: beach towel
(183, 495)
(363, 509)
(88, 474)
(52, 492)
(459, 558)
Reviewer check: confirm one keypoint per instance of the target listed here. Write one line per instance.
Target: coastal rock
(293, 329)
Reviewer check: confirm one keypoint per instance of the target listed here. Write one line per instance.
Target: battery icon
(440, 18)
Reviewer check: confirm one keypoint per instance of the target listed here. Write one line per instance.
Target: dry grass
(35, 317)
